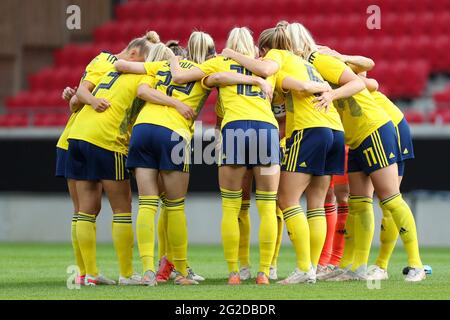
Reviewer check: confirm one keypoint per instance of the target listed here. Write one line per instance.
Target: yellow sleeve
(210, 66)
(149, 80)
(281, 75)
(204, 85)
(275, 55)
(329, 67)
(152, 67)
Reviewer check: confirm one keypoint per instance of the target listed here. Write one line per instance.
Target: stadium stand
(412, 45)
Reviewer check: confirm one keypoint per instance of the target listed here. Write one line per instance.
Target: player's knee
(330, 198)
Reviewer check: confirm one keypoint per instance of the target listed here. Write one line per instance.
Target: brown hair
(176, 48)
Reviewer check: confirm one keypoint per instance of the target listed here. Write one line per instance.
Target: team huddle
(295, 117)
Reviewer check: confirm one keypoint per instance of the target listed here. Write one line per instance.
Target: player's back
(109, 129)
(360, 114)
(192, 94)
(240, 102)
(300, 107)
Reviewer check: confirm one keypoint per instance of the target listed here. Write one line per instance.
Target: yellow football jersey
(240, 102)
(360, 114)
(192, 94)
(300, 111)
(111, 129)
(391, 109)
(95, 70)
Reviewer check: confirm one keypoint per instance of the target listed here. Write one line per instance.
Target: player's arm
(371, 84)
(180, 75)
(223, 79)
(130, 66)
(349, 83)
(84, 95)
(290, 83)
(145, 92)
(75, 105)
(263, 68)
(357, 63)
(68, 94)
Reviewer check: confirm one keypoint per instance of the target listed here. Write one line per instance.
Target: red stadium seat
(50, 120)
(413, 40)
(14, 120)
(414, 116)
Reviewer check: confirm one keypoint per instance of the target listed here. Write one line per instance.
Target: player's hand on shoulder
(68, 93)
(228, 53)
(185, 111)
(324, 100)
(100, 104)
(266, 88)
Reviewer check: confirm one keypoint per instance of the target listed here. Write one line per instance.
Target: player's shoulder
(316, 57)
(188, 64)
(105, 56)
(103, 60)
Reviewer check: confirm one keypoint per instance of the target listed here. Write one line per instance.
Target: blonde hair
(143, 44)
(159, 52)
(241, 41)
(303, 43)
(152, 37)
(200, 46)
(275, 38)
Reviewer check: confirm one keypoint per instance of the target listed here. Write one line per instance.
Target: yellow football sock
(162, 229)
(317, 232)
(86, 235)
(145, 230)
(298, 230)
(231, 205)
(266, 201)
(388, 239)
(280, 227)
(364, 229)
(76, 247)
(244, 231)
(404, 220)
(123, 239)
(177, 233)
(349, 236)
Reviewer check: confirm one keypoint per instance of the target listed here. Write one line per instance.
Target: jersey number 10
(246, 89)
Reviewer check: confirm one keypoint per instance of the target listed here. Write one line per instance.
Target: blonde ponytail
(302, 42)
(200, 47)
(159, 52)
(241, 41)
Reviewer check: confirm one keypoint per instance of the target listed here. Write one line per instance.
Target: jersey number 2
(114, 76)
(186, 89)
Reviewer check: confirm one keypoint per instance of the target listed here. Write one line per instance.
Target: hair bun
(152, 36)
(282, 24)
(172, 43)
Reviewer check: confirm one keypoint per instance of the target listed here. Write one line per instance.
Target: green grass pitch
(38, 271)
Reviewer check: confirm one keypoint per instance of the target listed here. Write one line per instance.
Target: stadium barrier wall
(34, 205)
(47, 217)
(29, 166)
